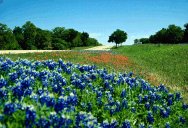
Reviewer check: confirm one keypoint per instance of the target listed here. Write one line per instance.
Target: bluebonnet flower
(54, 120)
(4, 66)
(3, 82)
(26, 83)
(30, 117)
(112, 110)
(178, 96)
(133, 109)
(170, 95)
(124, 103)
(158, 97)
(150, 118)
(3, 93)
(28, 92)
(130, 74)
(169, 102)
(123, 93)
(147, 106)
(18, 91)
(105, 124)
(99, 94)
(152, 97)
(126, 124)
(168, 110)
(164, 113)
(162, 88)
(167, 125)
(142, 125)
(9, 108)
(43, 123)
(145, 98)
(13, 76)
(182, 120)
(114, 123)
(140, 98)
(72, 99)
(60, 104)
(106, 84)
(155, 109)
(185, 106)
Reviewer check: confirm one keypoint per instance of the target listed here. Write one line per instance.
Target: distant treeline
(171, 35)
(30, 37)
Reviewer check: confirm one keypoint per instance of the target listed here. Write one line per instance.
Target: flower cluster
(62, 94)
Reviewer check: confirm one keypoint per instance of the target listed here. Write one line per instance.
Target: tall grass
(167, 63)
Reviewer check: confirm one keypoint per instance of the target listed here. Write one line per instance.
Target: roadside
(102, 48)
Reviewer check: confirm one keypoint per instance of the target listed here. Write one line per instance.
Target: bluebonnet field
(62, 94)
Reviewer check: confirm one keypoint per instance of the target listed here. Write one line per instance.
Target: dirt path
(104, 48)
(27, 51)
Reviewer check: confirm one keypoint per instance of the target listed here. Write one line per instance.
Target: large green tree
(18, 33)
(118, 36)
(185, 37)
(84, 38)
(43, 39)
(7, 39)
(68, 36)
(174, 34)
(30, 32)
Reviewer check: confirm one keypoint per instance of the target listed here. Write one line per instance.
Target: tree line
(171, 35)
(30, 37)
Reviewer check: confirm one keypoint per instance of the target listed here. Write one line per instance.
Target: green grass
(166, 64)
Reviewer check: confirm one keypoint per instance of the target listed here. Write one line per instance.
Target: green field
(166, 64)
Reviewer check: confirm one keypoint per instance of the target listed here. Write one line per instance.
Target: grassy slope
(166, 64)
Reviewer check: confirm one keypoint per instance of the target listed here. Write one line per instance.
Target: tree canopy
(30, 36)
(171, 35)
(118, 37)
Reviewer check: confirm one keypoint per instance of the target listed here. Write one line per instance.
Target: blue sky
(139, 18)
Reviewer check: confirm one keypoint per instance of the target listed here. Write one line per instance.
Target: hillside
(166, 64)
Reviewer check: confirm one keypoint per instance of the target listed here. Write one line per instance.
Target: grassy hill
(166, 64)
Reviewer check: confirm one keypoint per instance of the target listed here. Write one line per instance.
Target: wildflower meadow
(49, 93)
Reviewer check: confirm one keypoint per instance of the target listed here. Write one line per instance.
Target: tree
(68, 36)
(58, 32)
(77, 41)
(144, 40)
(58, 44)
(92, 42)
(18, 33)
(118, 37)
(30, 32)
(185, 37)
(84, 38)
(136, 41)
(174, 34)
(43, 39)
(7, 39)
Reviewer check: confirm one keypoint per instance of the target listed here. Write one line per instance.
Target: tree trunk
(116, 45)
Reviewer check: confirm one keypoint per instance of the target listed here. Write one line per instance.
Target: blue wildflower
(150, 118)
(167, 125)
(182, 120)
(9, 109)
(123, 93)
(126, 124)
(147, 106)
(3, 82)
